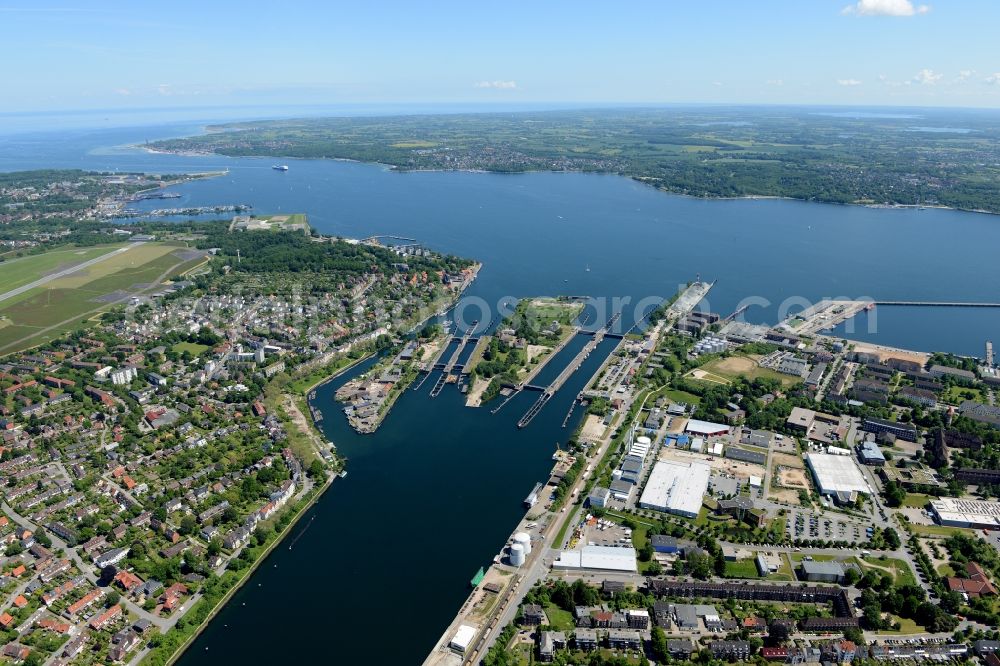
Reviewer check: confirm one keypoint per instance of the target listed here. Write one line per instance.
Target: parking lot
(829, 527)
(599, 532)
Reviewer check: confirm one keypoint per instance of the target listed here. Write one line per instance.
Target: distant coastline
(642, 180)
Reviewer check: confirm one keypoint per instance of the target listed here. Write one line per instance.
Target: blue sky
(98, 55)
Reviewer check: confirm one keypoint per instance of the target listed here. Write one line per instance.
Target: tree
(699, 565)
(854, 635)
(894, 493)
(852, 576)
(778, 633)
(659, 645)
(317, 469)
(950, 601)
(189, 525)
(108, 574)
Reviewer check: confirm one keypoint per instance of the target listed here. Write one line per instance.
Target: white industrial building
(837, 475)
(640, 447)
(462, 639)
(705, 428)
(955, 512)
(599, 558)
(676, 487)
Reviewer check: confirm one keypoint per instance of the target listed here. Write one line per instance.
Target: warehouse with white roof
(676, 487)
(462, 639)
(837, 476)
(598, 558)
(957, 512)
(705, 428)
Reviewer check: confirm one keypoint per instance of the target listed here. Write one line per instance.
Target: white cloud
(717, 83)
(848, 82)
(775, 82)
(966, 74)
(125, 92)
(993, 79)
(500, 85)
(927, 77)
(885, 8)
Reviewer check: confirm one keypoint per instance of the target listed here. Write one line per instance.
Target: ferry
(280, 167)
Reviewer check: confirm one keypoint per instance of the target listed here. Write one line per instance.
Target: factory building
(977, 514)
(705, 428)
(676, 488)
(598, 558)
(837, 476)
(822, 572)
(462, 639)
(870, 454)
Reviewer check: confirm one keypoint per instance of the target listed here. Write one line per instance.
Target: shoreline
(279, 538)
(643, 180)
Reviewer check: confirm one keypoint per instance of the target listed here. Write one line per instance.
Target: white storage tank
(524, 540)
(644, 440)
(517, 554)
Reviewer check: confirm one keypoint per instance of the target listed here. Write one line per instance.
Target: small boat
(588, 268)
(280, 167)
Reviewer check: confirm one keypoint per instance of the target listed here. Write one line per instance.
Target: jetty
(570, 368)
(939, 304)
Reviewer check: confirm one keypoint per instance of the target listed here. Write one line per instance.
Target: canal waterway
(434, 493)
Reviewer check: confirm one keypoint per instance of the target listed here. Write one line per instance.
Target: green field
(742, 569)
(559, 619)
(937, 530)
(901, 573)
(731, 367)
(955, 395)
(675, 395)
(916, 500)
(544, 311)
(906, 626)
(16, 273)
(192, 348)
(62, 304)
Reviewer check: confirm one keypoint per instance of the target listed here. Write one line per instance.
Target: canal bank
(277, 540)
(458, 480)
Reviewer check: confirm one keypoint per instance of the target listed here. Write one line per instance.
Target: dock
(570, 368)
(824, 315)
(452, 363)
(939, 304)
